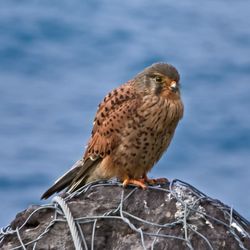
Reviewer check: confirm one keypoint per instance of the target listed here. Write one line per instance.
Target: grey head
(157, 78)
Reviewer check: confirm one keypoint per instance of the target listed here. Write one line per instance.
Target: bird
(132, 128)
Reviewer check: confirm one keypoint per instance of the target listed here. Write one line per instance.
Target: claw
(157, 181)
(138, 182)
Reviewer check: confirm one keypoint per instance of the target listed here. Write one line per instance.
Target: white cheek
(153, 86)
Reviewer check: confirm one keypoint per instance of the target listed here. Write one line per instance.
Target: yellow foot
(138, 182)
(155, 181)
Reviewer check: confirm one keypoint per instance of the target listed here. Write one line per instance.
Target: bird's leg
(154, 181)
(138, 182)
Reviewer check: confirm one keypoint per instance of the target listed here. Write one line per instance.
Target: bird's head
(159, 79)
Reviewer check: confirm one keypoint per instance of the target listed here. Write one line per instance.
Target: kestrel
(133, 126)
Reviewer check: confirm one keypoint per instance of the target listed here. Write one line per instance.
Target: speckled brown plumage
(133, 126)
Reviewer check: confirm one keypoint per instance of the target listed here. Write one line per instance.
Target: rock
(171, 216)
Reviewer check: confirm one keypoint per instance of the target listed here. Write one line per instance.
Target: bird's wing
(113, 113)
(75, 177)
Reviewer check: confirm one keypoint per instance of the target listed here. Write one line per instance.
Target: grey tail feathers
(74, 178)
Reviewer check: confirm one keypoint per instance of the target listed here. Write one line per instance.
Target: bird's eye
(158, 78)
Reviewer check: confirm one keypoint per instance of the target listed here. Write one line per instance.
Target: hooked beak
(174, 86)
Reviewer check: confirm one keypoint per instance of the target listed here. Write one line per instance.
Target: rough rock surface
(171, 216)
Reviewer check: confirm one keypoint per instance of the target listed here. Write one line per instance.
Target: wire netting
(184, 217)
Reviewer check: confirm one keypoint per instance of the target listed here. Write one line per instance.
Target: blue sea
(59, 58)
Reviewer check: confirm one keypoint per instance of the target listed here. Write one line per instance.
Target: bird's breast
(148, 133)
(160, 113)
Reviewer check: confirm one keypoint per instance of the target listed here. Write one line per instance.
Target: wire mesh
(181, 225)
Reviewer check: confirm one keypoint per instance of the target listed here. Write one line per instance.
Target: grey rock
(171, 216)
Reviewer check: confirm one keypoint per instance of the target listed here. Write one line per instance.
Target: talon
(138, 182)
(157, 181)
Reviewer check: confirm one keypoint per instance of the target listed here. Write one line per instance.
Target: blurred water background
(59, 58)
